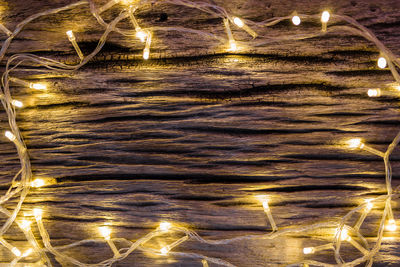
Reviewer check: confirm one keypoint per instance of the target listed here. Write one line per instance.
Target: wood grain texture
(191, 135)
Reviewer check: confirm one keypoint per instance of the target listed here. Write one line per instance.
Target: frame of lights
(23, 180)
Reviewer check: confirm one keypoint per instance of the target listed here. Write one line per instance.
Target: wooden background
(191, 136)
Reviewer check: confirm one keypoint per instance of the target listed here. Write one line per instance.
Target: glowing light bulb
(146, 50)
(204, 262)
(344, 235)
(309, 250)
(70, 35)
(10, 136)
(374, 92)
(72, 39)
(38, 86)
(382, 63)
(265, 205)
(164, 251)
(146, 54)
(17, 103)
(27, 253)
(325, 16)
(355, 143)
(38, 213)
(391, 226)
(165, 226)
(25, 225)
(369, 205)
(16, 251)
(105, 232)
(324, 19)
(141, 35)
(232, 45)
(238, 22)
(296, 20)
(396, 87)
(38, 183)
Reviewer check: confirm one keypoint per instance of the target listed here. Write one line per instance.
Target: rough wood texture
(193, 138)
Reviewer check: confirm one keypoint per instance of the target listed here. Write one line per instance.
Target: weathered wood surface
(193, 139)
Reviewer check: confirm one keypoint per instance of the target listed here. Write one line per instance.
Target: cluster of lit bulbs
(344, 232)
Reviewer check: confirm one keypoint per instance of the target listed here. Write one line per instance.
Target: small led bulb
(232, 45)
(38, 213)
(164, 250)
(37, 86)
(296, 20)
(265, 205)
(70, 35)
(309, 250)
(10, 136)
(25, 225)
(325, 16)
(324, 19)
(382, 63)
(146, 54)
(105, 232)
(391, 226)
(17, 103)
(165, 226)
(369, 205)
(141, 35)
(344, 235)
(355, 143)
(374, 92)
(16, 252)
(27, 253)
(238, 22)
(38, 183)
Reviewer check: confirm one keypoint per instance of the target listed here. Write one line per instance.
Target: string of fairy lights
(40, 247)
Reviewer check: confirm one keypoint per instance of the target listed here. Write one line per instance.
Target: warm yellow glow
(125, 2)
(146, 54)
(17, 103)
(70, 35)
(164, 251)
(38, 86)
(25, 225)
(232, 45)
(265, 205)
(141, 35)
(309, 250)
(369, 205)
(344, 235)
(374, 92)
(38, 213)
(325, 16)
(27, 253)
(355, 143)
(391, 226)
(16, 251)
(264, 200)
(204, 262)
(10, 135)
(296, 20)
(396, 87)
(38, 183)
(238, 22)
(165, 226)
(105, 232)
(382, 62)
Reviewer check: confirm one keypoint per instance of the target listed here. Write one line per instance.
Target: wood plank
(192, 136)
